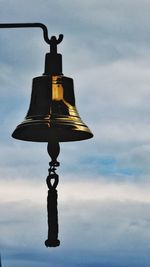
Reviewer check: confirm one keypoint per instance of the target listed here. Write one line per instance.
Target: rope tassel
(52, 211)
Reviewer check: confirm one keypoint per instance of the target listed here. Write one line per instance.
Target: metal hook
(56, 41)
(32, 25)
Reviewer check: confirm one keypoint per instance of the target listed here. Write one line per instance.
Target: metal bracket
(35, 25)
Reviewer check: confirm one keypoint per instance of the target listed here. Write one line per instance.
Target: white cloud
(106, 51)
(137, 157)
(34, 191)
(95, 218)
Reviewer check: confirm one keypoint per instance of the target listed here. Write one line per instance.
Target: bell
(52, 114)
(52, 117)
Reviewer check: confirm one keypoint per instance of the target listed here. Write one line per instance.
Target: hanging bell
(52, 117)
(52, 114)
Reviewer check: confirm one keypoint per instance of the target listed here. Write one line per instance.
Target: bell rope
(52, 241)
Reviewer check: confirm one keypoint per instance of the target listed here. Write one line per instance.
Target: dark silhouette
(52, 241)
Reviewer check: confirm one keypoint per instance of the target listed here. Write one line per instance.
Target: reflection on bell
(52, 115)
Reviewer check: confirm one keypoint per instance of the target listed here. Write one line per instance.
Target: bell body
(52, 115)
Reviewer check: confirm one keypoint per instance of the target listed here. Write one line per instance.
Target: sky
(103, 194)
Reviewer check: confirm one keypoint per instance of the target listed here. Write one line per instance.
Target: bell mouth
(43, 132)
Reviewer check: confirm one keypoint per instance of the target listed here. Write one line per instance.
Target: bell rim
(42, 132)
(74, 135)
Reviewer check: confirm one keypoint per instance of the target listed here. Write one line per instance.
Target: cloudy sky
(104, 200)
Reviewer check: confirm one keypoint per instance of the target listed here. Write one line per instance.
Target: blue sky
(104, 201)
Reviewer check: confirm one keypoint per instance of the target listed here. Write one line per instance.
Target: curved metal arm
(34, 25)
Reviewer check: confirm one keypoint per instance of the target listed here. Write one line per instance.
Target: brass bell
(52, 114)
(52, 117)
